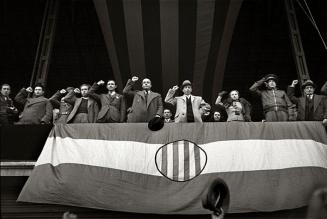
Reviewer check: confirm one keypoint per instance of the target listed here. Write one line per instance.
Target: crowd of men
(85, 105)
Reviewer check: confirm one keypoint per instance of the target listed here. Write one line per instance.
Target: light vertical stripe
(158, 159)
(134, 33)
(226, 39)
(170, 161)
(169, 43)
(103, 15)
(204, 23)
(192, 160)
(181, 160)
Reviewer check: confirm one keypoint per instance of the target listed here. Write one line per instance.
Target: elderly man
(7, 108)
(146, 103)
(113, 107)
(311, 107)
(275, 102)
(85, 109)
(38, 109)
(189, 108)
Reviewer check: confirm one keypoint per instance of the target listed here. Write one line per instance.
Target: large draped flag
(126, 167)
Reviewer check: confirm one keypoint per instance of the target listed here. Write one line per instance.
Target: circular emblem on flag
(180, 160)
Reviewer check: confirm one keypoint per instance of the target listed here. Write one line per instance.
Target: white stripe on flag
(170, 161)
(222, 156)
(192, 160)
(181, 160)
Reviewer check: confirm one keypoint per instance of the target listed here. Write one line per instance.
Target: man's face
(167, 114)
(5, 90)
(111, 85)
(216, 116)
(38, 91)
(84, 90)
(271, 84)
(308, 90)
(146, 84)
(187, 90)
(234, 95)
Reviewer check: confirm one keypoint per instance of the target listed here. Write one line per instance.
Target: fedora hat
(307, 83)
(271, 77)
(156, 123)
(186, 82)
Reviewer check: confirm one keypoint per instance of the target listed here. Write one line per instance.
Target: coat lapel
(35, 100)
(316, 101)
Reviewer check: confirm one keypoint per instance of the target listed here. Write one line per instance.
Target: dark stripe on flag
(221, 8)
(186, 160)
(117, 20)
(187, 35)
(103, 15)
(164, 161)
(134, 31)
(169, 43)
(197, 160)
(175, 161)
(152, 42)
(204, 22)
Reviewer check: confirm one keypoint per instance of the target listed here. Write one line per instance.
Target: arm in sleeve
(170, 97)
(21, 97)
(122, 109)
(128, 88)
(48, 113)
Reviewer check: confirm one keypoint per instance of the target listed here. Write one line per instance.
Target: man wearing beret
(146, 103)
(311, 107)
(275, 102)
(188, 107)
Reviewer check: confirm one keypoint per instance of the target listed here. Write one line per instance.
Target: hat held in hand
(156, 123)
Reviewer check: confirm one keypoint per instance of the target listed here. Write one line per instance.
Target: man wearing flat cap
(188, 107)
(275, 102)
(311, 107)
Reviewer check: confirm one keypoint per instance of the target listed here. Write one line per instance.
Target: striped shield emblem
(180, 160)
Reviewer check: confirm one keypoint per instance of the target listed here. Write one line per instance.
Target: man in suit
(58, 102)
(167, 116)
(85, 109)
(113, 107)
(38, 109)
(311, 107)
(188, 107)
(7, 108)
(146, 103)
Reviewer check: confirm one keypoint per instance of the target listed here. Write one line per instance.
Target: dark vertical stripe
(186, 161)
(204, 21)
(175, 161)
(102, 11)
(226, 39)
(117, 20)
(187, 35)
(152, 42)
(221, 8)
(134, 33)
(169, 43)
(164, 161)
(197, 161)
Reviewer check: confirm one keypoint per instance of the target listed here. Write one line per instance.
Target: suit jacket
(319, 105)
(36, 109)
(180, 102)
(92, 107)
(57, 101)
(113, 105)
(142, 111)
(6, 113)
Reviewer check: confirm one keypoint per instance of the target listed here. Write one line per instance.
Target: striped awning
(169, 41)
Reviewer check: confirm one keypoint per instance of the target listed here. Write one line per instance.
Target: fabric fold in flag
(126, 167)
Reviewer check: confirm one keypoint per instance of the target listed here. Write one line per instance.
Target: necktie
(146, 97)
